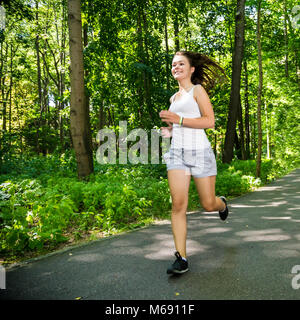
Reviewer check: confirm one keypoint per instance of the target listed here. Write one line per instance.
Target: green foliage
(41, 211)
(127, 69)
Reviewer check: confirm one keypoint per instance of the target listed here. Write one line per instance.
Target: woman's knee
(179, 206)
(209, 205)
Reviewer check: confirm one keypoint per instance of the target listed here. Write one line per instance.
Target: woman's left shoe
(179, 266)
(224, 214)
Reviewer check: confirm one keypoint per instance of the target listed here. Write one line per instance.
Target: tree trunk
(237, 146)
(87, 98)
(176, 33)
(1, 97)
(247, 124)
(267, 131)
(78, 113)
(241, 130)
(147, 74)
(37, 48)
(235, 82)
(102, 117)
(286, 42)
(4, 100)
(10, 92)
(253, 135)
(188, 31)
(141, 75)
(295, 48)
(229, 26)
(62, 75)
(167, 44)
(215, 145)
(259, 93)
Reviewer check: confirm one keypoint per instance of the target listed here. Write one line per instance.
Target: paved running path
(250, 256)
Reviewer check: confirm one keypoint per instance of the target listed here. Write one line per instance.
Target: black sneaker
(223, 214)
(179, 266)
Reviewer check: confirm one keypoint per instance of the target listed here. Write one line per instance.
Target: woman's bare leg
(206, 191)
(179, 182)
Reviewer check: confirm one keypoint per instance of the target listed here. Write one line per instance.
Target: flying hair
(207, 72)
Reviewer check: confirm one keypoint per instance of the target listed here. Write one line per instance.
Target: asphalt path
(252, 255)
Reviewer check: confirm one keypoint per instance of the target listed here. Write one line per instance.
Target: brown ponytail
(206, 70)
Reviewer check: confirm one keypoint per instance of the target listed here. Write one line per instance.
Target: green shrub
(46, 204)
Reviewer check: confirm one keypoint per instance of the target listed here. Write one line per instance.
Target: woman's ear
(192, 69)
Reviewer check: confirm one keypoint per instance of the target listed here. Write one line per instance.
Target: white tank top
(184, 137)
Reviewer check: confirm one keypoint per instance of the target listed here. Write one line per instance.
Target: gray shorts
(198, 163)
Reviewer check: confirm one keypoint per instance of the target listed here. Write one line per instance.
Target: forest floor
(252, 255)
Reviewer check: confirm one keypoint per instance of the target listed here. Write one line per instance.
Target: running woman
(190, 153)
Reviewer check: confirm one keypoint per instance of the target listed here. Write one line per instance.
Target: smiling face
(181, 68)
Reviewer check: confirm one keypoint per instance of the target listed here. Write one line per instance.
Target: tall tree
(235, 81)
(241, 130)
(62, 72)
(295, 46)
(259, 93)
(246, 101)
(286, 41)
(166, 43)
(79, 115)
(176, 33)
(38, 63)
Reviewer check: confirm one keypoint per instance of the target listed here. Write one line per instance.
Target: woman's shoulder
(197, 86)
(173, 97)
(199, 92)
(199, 89)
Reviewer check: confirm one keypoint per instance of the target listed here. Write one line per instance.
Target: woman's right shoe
(224, 214)
(179, 266)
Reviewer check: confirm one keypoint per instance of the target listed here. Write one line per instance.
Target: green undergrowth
(44, 206)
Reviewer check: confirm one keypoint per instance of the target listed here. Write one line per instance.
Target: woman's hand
(168, 116)
(166, 132)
